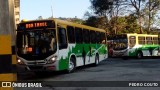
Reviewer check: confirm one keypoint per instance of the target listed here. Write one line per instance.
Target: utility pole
(52, 11)
(7, 42)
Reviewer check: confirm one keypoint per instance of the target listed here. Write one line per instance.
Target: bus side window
(86, 36)
(155, 40)
(149, 40)
(79, 36)
(98, 36)
(141, 40)
(103, 39)
(93, 36)
(62, 40)
(71, 34)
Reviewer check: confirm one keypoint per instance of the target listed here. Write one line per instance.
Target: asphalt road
(111, 69)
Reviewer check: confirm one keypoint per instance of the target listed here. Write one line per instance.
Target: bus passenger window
(98, 36)
(93, 36)
(149, 40)
(155, 40)
(86, 36)
(79, 36)
(71, 34)
(141, 40)
(62, 41)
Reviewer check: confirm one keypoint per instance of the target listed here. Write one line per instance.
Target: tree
(100, 6)
(40, 18)
(145, 12)
(108, 8)
(151, 9)
(91, 21)
(98, 22)
(138, 5)
(116, 8)
(125, 24)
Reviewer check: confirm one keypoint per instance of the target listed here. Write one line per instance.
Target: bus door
(62, 44)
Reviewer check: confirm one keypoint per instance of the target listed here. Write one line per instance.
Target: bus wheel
(96, 60)
(72, 65)
(139, 55)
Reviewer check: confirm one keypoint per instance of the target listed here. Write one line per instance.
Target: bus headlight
(19, 61)
(52, 60)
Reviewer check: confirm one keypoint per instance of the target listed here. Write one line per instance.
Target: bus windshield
(36, 42)
(120, 43)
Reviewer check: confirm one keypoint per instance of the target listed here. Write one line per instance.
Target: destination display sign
(36, 25)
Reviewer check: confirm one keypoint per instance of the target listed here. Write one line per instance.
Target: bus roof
(129, 34)
(77, 25)
(64, 22)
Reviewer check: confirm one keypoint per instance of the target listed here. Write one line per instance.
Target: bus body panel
(77, 49)
(145, 50)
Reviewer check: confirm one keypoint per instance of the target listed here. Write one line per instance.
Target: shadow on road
(28, 75)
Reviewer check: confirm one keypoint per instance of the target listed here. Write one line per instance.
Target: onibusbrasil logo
(18, 84)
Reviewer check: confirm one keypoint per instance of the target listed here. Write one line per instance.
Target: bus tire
(72, 65)
(96, 60)
(139, 55)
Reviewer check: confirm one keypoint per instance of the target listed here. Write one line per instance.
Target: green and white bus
(54, 45)
(135, 45)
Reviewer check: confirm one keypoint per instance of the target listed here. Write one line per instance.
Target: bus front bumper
(22, 68)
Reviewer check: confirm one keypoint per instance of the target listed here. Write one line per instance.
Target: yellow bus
(56, 45)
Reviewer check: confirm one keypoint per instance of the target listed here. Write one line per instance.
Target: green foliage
(40, 18)
(75, 20)
(141, 17)
(126, 24)
(98, 22)
(92, 21)
(101, 6)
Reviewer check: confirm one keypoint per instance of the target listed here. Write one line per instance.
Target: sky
(32, 9)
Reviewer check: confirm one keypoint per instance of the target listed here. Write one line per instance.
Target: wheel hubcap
(139, 55)
(97, 60)
(71, 66)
